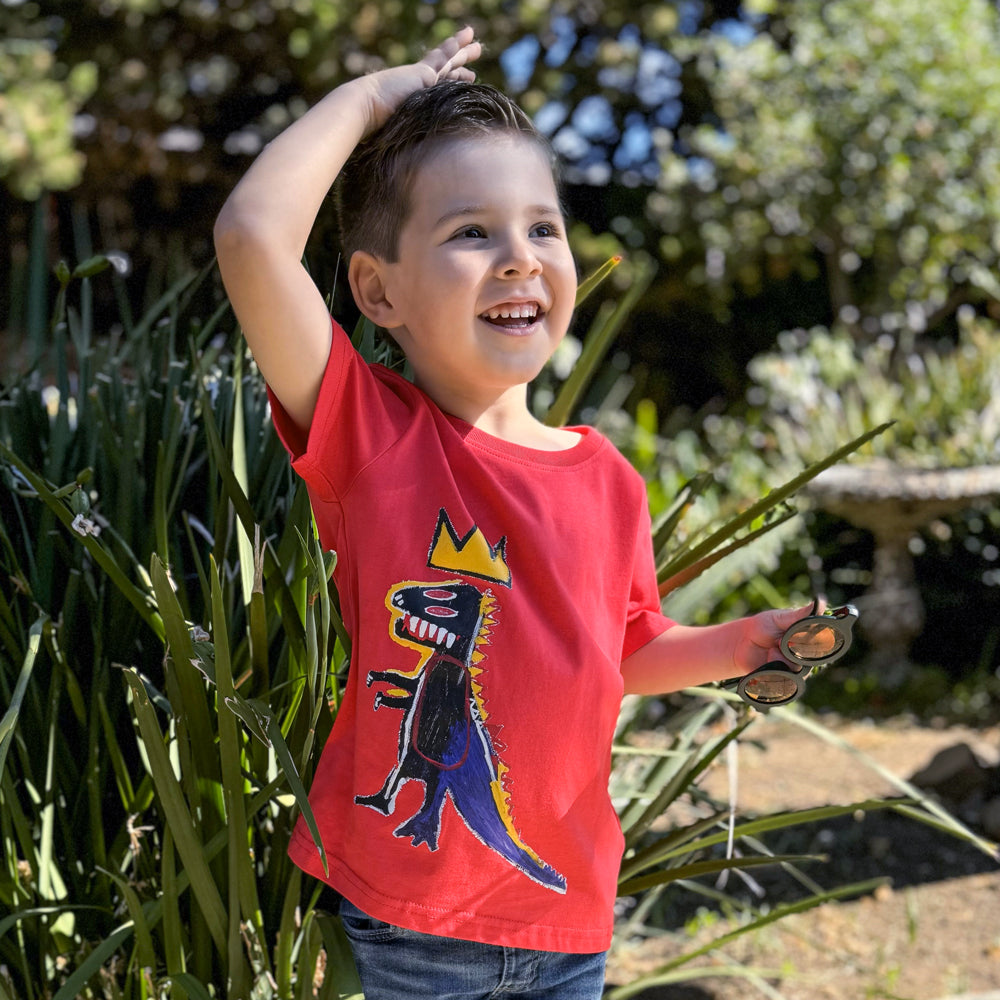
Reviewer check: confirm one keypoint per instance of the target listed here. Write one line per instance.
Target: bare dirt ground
(932, 932)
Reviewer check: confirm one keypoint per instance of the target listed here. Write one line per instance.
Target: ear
(367, 276)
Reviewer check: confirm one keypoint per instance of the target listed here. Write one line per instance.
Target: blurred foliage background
(820, 168)
(805, 193)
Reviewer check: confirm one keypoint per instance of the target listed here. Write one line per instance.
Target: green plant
(820, 385)
(653, 786)
(146, 809)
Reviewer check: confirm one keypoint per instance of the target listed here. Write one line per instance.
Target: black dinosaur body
(443, 739)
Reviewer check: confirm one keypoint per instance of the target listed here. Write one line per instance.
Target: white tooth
(422, 631)
(432, 633)
(451, 640)
(516, 312)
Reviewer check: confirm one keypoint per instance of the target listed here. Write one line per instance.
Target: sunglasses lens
(815, 641)
(771, 687)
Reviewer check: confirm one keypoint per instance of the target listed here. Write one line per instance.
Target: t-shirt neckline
(589, 442)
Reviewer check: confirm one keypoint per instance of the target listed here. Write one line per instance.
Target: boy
(495, 574)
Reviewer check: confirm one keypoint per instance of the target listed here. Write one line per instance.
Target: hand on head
(450, 60)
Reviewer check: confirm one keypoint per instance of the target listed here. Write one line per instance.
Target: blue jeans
(398, 964)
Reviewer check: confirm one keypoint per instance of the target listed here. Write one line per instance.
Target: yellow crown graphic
(471, 555)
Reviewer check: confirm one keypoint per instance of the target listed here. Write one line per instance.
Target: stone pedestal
(893, 503)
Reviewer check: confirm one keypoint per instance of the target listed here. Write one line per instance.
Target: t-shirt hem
(447, 922)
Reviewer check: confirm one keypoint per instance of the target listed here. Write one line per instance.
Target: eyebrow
(465, 210)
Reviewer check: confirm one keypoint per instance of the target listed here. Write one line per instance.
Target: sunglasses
(813, 641)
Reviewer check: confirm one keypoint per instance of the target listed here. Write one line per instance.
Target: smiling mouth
(513, 317)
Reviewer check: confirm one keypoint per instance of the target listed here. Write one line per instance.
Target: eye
(440, 595)
(471, 233)
(545, 230)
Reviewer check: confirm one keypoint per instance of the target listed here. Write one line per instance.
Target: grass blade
(8, 724)
(707, 562)
(239, 465)
(767, 503)
(100, 555)
(340, 967)
(935, 814)
(173, 939)
(298, 789)
(242, 885)
(194, 988)
(596, 345)
(592, 281)
(143, 937)
(76, 982)
(177, 815)
(778, 913)
(713, 866)
(751, 828)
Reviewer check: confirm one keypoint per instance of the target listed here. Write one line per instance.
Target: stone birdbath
(894, 502)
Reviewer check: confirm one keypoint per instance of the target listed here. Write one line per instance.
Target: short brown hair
(372, 192)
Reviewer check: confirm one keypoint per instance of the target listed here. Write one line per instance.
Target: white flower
(84, 526)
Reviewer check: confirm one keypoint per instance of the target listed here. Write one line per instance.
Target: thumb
(785, 618)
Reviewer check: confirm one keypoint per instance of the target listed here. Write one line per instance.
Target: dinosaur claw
(421, 833)
(377, 801)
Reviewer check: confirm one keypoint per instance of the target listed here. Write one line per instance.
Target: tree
(855, 137)
(156, 107)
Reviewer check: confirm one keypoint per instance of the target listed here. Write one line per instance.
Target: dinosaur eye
(435, 612)
(440, 595)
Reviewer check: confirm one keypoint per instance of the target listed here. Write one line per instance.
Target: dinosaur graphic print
(444, 741)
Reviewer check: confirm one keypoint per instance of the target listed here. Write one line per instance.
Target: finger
(439, 56)
(456, 66)
(787, 617)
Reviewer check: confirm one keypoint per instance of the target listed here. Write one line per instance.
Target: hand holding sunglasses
(813, 641)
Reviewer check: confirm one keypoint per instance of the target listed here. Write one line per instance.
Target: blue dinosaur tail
(476, 793)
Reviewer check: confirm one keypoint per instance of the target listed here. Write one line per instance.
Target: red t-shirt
(491, 592)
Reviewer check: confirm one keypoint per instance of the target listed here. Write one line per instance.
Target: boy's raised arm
(261, 232)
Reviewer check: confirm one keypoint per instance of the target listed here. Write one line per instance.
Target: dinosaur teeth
(420, 628)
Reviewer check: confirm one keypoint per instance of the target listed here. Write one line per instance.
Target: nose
(517, 258)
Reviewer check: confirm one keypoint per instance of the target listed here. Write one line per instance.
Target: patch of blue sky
(550, 116)
(701, 171)
(594, 119)
(565, 38)
(518, 62)
(689, 15)
(630, 35)
(586, 51)
(738, 32)
(570, 145)
(636, 146)
(615, 77)
(658, 77)
(668, 114)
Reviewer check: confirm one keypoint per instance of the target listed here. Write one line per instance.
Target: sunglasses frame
(841, 620)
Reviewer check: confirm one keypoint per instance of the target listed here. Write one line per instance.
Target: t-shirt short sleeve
(357, 417)
(645, 619)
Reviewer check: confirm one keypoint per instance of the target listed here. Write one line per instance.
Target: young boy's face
(484, 284)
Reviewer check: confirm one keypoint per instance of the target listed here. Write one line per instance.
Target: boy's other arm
(689, 655)
(261, 232)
